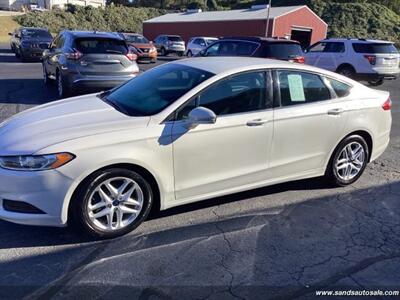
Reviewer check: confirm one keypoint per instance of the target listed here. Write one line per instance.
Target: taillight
(387, 105)
(299, 59)
(131, 56)
(371, 59)
(74, 55)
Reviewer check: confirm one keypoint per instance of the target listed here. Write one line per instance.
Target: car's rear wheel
(189, 54)
(111, 203)
(180, 54)
(376, 82)
(347, 71)
(348, 161)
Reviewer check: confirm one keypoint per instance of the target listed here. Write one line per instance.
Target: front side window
(240, 93)
(156, 89)
(300, 88)
(320, 47)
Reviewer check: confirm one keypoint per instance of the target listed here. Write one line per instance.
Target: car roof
(362, 41)
(259, 39)
(90, 34)
(221, 64)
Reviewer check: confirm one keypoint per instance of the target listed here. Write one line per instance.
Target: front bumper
(45, 190)
(32, 54)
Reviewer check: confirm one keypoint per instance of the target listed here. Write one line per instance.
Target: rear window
(374, 48)
(101, 46)
(232, 48)
(175, 38)
(283, 50)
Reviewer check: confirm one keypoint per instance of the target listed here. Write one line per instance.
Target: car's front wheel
(111, 203)
(46, 79)
(376, 82)
(348, 161)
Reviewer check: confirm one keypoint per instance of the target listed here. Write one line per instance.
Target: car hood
(60, 121)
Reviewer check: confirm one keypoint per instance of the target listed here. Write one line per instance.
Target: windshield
(36, 33)
(156, 89)
(138, 39)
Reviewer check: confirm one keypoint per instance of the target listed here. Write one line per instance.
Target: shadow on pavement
(256, 255)
(26, 91)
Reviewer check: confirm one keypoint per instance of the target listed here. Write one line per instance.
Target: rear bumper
(377, 76)
(98, 82)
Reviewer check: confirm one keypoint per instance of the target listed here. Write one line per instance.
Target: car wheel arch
(129, 166)
(346, 65)
(366, 135)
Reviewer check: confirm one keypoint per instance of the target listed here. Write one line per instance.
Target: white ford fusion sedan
(183, 132)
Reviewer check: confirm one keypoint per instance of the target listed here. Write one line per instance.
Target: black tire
(180, 54)
(17, 52)
(333, 175)
(347, 71)
(46, 79)
(189, 54)
(376, 82)
(163, 52)
(79, 214)
(62, 90)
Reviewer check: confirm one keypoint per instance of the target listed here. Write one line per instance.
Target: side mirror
(10, 34)
(201, 115)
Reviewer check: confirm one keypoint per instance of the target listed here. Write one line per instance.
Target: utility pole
(269, 10)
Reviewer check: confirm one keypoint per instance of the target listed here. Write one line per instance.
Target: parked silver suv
(167, 44)
(82, 60)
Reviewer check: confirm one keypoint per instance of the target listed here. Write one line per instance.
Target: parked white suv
(196, 44)
(369, 60)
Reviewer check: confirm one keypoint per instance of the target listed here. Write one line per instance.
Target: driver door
(233, 152)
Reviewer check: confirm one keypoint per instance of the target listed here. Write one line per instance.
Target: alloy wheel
(115, 203)
(350, 161)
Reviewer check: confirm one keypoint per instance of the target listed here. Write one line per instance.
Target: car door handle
(335, 111)
(257, 122)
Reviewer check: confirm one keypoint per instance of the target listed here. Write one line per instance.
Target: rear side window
(232, 48)
(282, 50)
(101, 46)
(374, 48)
(300, 88)
(341, 89)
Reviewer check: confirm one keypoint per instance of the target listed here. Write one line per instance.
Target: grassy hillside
(112, 18)
(7, 24)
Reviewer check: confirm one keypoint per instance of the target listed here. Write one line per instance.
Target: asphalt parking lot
(279, 242)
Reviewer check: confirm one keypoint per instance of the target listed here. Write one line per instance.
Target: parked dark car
(281, 49)
(167, 44)
(28, 43)
(82, 60)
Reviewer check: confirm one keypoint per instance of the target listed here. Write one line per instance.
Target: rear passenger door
(308, 123)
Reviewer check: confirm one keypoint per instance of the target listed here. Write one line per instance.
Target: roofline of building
(301, 7)
(296, 7)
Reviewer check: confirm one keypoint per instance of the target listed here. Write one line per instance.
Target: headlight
(152, 49)
(35, 162)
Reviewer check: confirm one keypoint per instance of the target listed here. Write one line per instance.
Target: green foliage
(112, 18)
